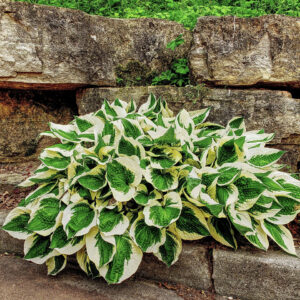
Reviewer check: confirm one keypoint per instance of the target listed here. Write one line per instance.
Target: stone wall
(56, 63)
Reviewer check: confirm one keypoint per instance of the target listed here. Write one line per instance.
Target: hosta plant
(124, 181)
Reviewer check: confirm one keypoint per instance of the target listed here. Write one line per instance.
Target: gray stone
(192, 268)
(56, 48)
(275, 111)
(20, 279)
(247, 51)
(256, 275)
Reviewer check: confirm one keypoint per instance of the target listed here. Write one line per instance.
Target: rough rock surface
(20, 279)
(256, 275)
(275, 111)
(57, 48)
(24, 114)
(192, 268)
(247, 51)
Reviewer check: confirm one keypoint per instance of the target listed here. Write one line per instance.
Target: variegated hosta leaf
(240, 219)
(40, 191)
(169, 252)
(249, 191)
(63, 245)
(37, 249)
(56, 264)
(66, 133)
(16, 223)
(162, 214)
(78, 219)
(42, 175)
(286, 212)
(132, 128)
(148, 238)
(221, 231)
(63, 149)
(263, 157)
(236, 123)
(128, 146)
(199, 116)
(258, 237)
(143, 196)
(54, 160)
(191, 224)
(280, 235)
(94, 179)
(86, 264)
(227, 175)
(230, 150)
(125, 262)
(227, 195)
(164, 157)
(184, 120)
(292, 187)
(124, 174)
(162, 179)
(45, 217)
(100, 248)
(215, 208)
(112, 222)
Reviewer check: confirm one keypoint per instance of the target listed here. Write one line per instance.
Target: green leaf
(265, 157)
(191, 224)
(148, 238)
(125, 261)
(100, 249)
(16, 223)
(43, 220)
(61, 243)
(162, 179)
(249, 191)
(112, 222)
(78, 219)
(37, 250)
(162, 214)
(56, 264)
(221, 231)
(40, 191)
(169, 252)
(280, 235)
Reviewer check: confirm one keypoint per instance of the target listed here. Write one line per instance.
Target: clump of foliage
(185, 12)
(178, 74)
(125, 181)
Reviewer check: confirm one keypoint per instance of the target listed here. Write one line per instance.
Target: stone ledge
(21, 279)
(256, 275)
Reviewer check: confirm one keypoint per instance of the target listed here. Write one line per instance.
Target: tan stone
(247, 51)
(57, 48)
(24, 114)
(275, 111)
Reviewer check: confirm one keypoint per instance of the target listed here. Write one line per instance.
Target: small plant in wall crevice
(127, 181)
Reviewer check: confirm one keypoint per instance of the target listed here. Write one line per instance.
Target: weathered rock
(24, 114)
(256, 275)
(21, 279)
(275, 111)
(247, 51)
(57, 48)
(192, 268)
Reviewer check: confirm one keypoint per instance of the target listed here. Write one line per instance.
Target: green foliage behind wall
(185, 12)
